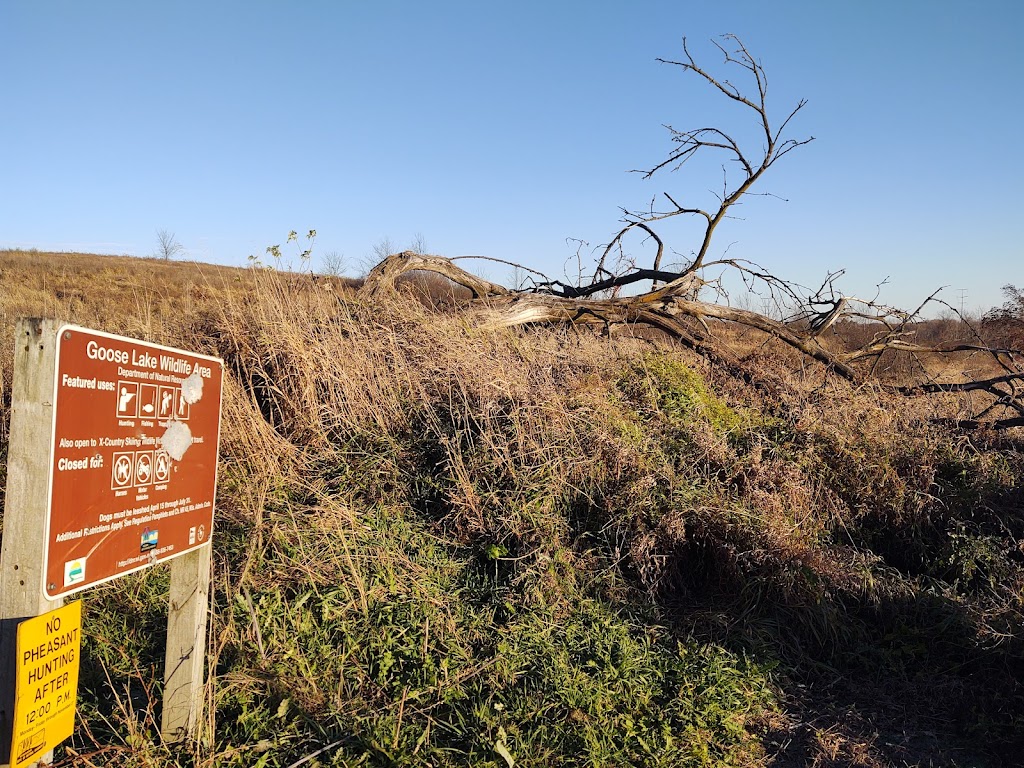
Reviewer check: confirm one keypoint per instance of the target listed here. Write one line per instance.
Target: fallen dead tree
(684, 302)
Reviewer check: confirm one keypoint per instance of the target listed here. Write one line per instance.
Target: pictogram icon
(127, 399)
(124, 466)
(144, 468)
(147, 401)
(165, 409)
(162, 467)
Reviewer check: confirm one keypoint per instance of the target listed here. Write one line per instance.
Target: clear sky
(503, 128)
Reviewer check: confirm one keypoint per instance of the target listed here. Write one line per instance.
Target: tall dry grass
(441, 545)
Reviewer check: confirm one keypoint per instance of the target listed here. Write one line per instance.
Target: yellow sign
(46, 689)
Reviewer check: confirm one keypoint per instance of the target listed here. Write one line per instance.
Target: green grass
(432, 659)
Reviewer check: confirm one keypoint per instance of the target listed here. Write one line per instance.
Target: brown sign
(134, 457)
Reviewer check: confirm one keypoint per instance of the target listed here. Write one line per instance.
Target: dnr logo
(149, 540)
(74, 571)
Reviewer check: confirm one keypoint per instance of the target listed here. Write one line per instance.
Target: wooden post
(186, 645)
(28, 457)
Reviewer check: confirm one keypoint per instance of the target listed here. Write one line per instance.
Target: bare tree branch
(698, 140)
(854, 338)
(381, 279)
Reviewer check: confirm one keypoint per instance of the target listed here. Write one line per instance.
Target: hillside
(438, 544)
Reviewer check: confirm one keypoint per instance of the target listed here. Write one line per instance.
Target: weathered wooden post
(28, 453)
(186, 645)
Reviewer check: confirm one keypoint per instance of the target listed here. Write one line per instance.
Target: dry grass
(435, 539)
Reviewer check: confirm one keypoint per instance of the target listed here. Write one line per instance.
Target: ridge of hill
(438, 545)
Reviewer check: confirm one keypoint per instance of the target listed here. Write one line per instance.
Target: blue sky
(504, 128)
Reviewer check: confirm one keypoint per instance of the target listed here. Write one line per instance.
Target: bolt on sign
(133, 470)
(46, 682)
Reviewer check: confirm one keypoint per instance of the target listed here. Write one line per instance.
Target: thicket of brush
(440, 545)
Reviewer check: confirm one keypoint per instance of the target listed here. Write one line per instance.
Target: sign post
(186, 639)
(28, 451)
(118, 441)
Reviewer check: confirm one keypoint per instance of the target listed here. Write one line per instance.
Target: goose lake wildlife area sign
(133, 465)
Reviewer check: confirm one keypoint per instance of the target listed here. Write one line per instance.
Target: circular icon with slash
(122, 474)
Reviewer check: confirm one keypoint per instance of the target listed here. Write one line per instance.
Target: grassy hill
(441, 545)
